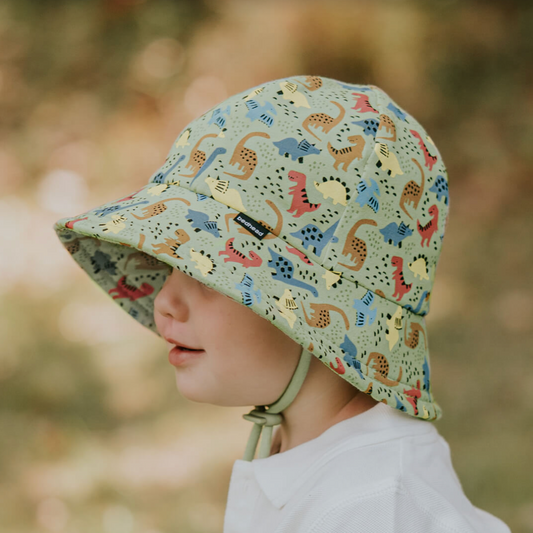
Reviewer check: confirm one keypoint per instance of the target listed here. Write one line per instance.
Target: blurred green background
(94, 436)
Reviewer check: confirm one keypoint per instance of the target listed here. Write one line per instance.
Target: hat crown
(339, 171)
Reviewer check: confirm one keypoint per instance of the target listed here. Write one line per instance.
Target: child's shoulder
(403, 479)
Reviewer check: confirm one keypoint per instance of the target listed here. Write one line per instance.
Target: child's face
(246, 360)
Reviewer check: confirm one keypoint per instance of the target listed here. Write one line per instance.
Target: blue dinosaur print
(370, 126)
(284, 271)
(160, 176)
(310, 235)
(260, 112)
(297, 150)
(214, 154)
(440, 188)
(394, 234)
(246, 286)
(425, 367)
(116, 207)
(351, 351)
(362, 307)
(218, 117)
(399, 405)
(417, 310)
(366, 194)
(201, 197)
(200, 221)
(101, 261)
(398, 112)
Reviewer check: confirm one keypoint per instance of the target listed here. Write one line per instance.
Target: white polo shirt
(378, 472)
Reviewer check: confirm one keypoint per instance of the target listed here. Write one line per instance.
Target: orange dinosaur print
(386, 124)
(412, 192)
(414, 335)
(323, 120)
(245, 158)
(345, 156)
(197, 157)
(312, 83)
(158, 208)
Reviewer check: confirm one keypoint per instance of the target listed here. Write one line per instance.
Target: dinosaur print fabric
(320, 205)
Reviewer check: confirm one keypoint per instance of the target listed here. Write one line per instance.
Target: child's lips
(178, 355)
(171, 343)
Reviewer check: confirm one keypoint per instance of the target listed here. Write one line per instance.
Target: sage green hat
(321, 205)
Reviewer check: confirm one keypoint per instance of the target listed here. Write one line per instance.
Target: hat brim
(127, 246)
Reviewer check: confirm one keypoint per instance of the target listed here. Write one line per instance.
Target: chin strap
(264, 418)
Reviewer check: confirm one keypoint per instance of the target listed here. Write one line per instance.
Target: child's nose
(171, 301)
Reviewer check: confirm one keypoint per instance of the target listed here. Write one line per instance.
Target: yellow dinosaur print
(418, 268)
(394, 323)
(156, 190)
(286, 304)
(332, 189)
(203, 263)
(222, 193)
(290, 92)
(183, 139)
(387, 159)
(331, 277)
(114, 226)
(254, 93)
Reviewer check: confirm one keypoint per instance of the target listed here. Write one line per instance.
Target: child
(286, 250)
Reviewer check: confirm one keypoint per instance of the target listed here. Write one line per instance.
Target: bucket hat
(321, 205)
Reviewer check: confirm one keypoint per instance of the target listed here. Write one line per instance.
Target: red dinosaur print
(130, 197)
(340, 367)
(124, 290)
(427, 231)
(363, 104)
(300, 202)
(430, 159)
(238, 257)
(413, 395)
(70, 224)
(400, 287)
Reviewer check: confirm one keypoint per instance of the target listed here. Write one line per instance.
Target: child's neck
(299, 427)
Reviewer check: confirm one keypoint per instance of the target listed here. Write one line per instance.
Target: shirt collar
(280, 475)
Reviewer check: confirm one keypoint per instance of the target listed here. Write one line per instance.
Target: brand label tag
(255, 228)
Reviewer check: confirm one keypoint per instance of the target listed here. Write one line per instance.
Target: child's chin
(191, 389)
(200, 393)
